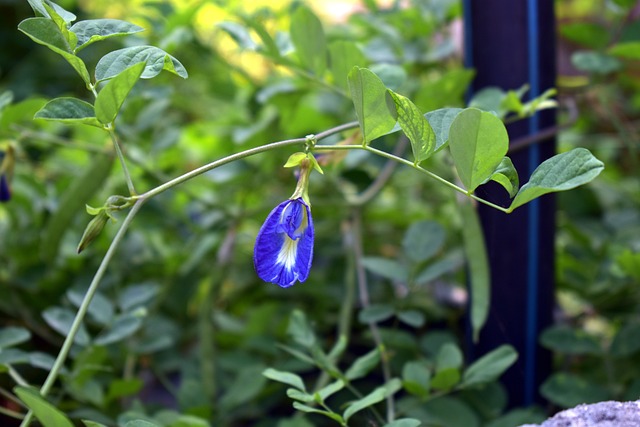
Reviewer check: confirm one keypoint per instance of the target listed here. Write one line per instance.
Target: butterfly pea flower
(284, 247)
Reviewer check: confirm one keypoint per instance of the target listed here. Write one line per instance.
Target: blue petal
(5, 193)
(284, 246)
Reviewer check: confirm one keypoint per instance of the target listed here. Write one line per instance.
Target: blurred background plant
(182, 330)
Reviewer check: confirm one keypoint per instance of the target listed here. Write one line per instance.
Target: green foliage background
(182, 330)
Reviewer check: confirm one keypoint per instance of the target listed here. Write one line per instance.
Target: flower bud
(93, 230)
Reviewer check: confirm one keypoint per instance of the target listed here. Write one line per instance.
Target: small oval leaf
(93, 30)
(415, 126)
(112, 95)
(561, 172)
(155, 58)
(68, 110)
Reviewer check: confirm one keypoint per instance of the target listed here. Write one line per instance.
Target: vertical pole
(510, 43)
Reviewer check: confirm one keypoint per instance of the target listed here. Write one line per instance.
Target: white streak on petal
(288, 252)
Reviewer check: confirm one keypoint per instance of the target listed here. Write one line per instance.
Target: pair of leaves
(378, 109)
(108, 102)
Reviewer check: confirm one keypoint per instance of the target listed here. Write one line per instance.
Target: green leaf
(13, 356)
(518, 417)
(440, 121)
(43, 9)
(156, 60)
(627, 340)
(451, 262)
(13, 335)
(363, 365)
(270, 47)
(88, 423)
(330, 389)
(415, 126)
(488, 99)
(44, 411)
(373, 104)
(136, 296)
(507, 176)
(140, 423)
(119, 387)
(629, 263)
(375, 313)
(288, 378)
(68, 110)
(45, 32)
(386, 268)
(113, 94)
(449, 356)
(477, 260)
(123, 327)
(308, 38)
(303, 357)
(94, 30)
(568, 390)
(60, 319)
(344, 56)
(404, 422)
(595, 62)
(626, 50)
(62, 25)
(416, 378)
(567, 340)
(245, 387)
(376, 396)
(587, 34)
(443, 89)
(450, 412)
(300, 330)
(422, 240)
(101, 308)
(561, 172)
(308, 409)
(413, 318)
(295, 394)
(478, 141)
(239, 33)
(490, 366)
(393, 76)
(42, 360)
(446, 379)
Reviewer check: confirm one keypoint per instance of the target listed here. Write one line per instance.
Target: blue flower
(284, 246)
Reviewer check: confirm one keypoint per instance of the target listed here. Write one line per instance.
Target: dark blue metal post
(510, 43)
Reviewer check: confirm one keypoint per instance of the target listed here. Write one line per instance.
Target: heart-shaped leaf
(478, 141)
(373, 104)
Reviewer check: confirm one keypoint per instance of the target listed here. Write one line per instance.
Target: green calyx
(307, 162)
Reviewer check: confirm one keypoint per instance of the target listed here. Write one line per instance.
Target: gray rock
(602, 414)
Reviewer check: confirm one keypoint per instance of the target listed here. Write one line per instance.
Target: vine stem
(84, 306)
(125, 169)
(414, 166)
(110, 127)
(241, 155)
